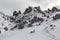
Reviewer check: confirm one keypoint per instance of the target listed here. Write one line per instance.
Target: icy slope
(5, 23)
(45, 25)
(42, 32)
(25, 34)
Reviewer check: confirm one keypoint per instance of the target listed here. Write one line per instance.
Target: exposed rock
(20, 26)
(0, 32)
(28, 10)
(5, 28)
(38, 9)
(51, 25)
(19, 12)
(57, 16)
(15, 13)
(47, 16)
(54, 9)
(33, 31)
(14, 27)
(29, 25)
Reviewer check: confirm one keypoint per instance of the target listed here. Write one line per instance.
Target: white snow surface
(42, 32)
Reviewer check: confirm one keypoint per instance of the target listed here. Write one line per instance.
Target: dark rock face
(54, 9)
(48, 11)
(57, 16)
(19, 12)
(33, 31)
(37, 19)
(15, 13)
(28, 10)
(47, 16)
(25, 22)
(12, 19)
(0, 32)
(20, 26)
(6, 29)
(51, 25)
(14, 27)
(43, 14)
(18, 21)
(29, 25)
(38, 9)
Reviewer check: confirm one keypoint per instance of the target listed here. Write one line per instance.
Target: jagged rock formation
(6, 22)
(54, 9)
(31, 16)
(43, 23)
(57, 16)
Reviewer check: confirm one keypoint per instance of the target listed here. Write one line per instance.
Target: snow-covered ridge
(33, 18)
(5, 23)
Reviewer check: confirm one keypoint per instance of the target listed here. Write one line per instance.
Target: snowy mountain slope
(5, 23)
(40, 33)
(25, 35)
(33, 24)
